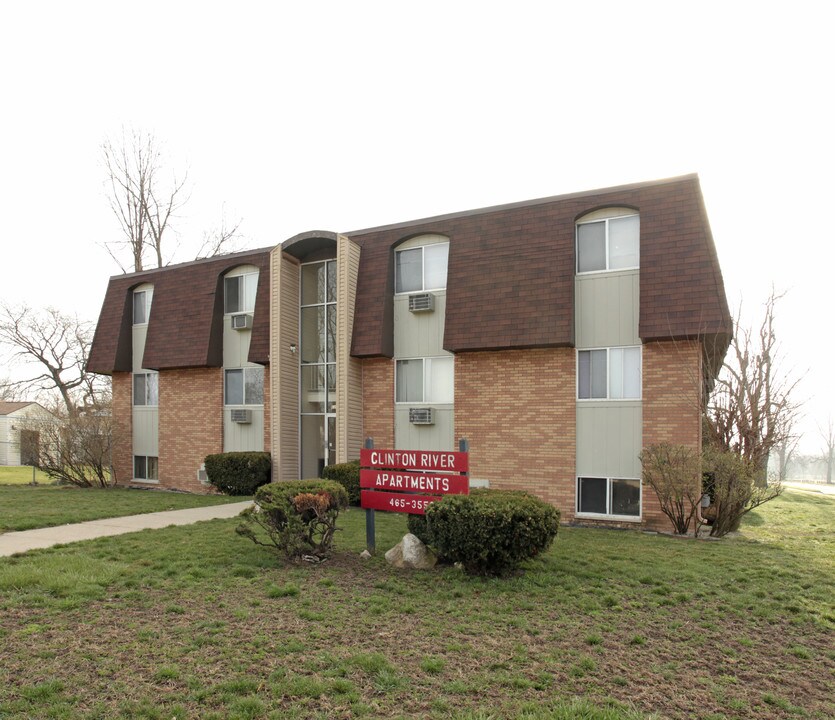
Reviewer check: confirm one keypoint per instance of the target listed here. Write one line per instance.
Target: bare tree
(828, 436)
(142, 200)
(53, 346)
(75, 449)
(785, 452)
(220, 240)
(9, 390)
(752, 408)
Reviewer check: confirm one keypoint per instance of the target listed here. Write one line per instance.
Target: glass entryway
(317, 353)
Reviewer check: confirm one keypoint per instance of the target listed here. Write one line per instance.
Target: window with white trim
(609, 497)
(146, 389)
(244, 386)
(608, 244)
(424, 380)
(609, 373)
(239, 293)
(421, 269)
(141, 306)
(145, 467)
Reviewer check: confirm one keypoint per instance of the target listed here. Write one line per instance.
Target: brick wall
(516, 408)
(378, 401)
(672, 407)
(190, 424)
(122, 428)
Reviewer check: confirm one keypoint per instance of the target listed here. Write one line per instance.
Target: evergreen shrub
(238, 473)
(296, 518)
(491, 532)
(348, 475)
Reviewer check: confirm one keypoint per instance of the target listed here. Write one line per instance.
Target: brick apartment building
(559, 336)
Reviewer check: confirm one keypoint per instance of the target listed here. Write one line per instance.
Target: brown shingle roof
(511, 270)
(7, 407)
(186, 323)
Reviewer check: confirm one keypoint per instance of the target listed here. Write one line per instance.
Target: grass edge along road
(198, 622)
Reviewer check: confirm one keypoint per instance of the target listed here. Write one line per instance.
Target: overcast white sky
(345, 115)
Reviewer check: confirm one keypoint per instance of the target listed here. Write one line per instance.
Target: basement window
(610, 498)
(146, 468)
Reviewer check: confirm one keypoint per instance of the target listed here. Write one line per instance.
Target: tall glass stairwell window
(317, 355)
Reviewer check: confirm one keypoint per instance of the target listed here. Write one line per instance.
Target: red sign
(396, 502)
(415, 482)
(432, 460)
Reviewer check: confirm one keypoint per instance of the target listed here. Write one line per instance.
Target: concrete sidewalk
(23, 540)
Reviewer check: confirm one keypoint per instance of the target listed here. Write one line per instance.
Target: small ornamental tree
(674, 474)
(735, 488)
(295, 518)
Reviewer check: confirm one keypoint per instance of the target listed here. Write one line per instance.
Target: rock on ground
(410, 552)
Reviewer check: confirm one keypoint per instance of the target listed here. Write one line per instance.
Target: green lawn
(24, 507)
(22, 475)
(196, 622)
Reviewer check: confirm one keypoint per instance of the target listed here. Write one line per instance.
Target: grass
(196, 622)
(25, 507)
(22, 475)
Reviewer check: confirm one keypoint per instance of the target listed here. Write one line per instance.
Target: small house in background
(560, 336)
(19, 444)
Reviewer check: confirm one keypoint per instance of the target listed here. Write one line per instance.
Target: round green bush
(238, 473)
(491, 532)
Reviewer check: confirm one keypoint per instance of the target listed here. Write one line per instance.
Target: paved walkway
(23, 540)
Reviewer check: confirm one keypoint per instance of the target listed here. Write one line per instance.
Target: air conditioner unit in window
(242, 417)
(202, 475)
(421, 302)
(242, 321)
(421, 416)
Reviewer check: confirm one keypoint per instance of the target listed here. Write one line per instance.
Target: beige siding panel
(235, 345)
(439, 436)
(238, 437)
(606, 309)
(146, 431)
(348, 370)
(419, 334)
(609, 439)
(139, 333)
(286, 428)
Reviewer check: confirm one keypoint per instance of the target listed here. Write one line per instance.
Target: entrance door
(317, 335)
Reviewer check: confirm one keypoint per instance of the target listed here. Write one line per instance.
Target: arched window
(608, 239)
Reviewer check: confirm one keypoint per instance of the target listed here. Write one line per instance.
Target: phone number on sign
(410, 503)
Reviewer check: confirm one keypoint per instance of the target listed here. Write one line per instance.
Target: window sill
(611, 518)
(145, 482)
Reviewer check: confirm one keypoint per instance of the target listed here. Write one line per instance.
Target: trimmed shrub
(490, 532)
(297, 518)
(348, 475)
(238, 473)
(419, 528)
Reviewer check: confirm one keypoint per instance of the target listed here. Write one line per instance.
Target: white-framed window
(146, 389)
(609, 373)
(421, 269)
(141, 306)
(608, 244)
(145, 467)
(612, 498)
(424, 380)
(239, 293)
(244, 386)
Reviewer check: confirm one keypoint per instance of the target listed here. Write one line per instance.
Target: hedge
(238, 473)
(490, 532)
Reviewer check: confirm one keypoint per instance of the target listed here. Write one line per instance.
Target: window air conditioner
(242, 417)
(421, 416)
(421, 302)
(202, 475)
(242, 321)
